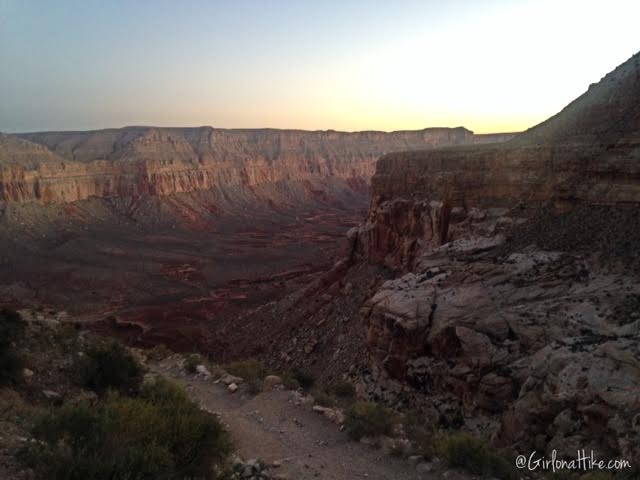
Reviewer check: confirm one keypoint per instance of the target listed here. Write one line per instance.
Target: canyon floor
(174, 284)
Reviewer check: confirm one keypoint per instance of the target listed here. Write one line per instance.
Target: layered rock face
(62, 167)
(588, 153)
(517, 288)
(172, 231)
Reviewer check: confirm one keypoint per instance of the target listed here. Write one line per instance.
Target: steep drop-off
(588, 154)
(496, 288)
(166, 232)
(520, 299)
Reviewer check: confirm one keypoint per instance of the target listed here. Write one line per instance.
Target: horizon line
(195, 127)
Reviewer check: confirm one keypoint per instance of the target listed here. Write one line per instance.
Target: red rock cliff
(68, 166)
(587, 154)
(516, 289)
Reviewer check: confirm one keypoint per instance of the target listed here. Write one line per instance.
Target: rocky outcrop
(587, 154)
(62, 167)
(515, 291)
(520, 339)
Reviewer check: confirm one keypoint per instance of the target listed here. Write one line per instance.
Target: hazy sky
(350, 65)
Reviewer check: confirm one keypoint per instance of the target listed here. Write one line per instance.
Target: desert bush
(11, 363)
(159, 352)
(305, 379)
(158, 434)
(421, 433)
(289, 382)
(461, 450)
(250, 370)
(14, 407)
(65, 337)
(369, 419)
(323, 398)
(108, 366)
(344, 390)
(191, 363)
(11, 367)
(11, 327)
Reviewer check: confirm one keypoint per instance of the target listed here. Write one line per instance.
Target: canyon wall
(588, 154)
(514, 288)
(61, 167)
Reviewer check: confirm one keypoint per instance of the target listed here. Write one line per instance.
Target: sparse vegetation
(11, 327)
(13, 406)
(159, 433)
(305, 379)
(11, 363)
(250, 370)
(344, 390)
(289, 382)
(66, 337)
(108, 366)
(420, 433)
(323, 398)
(191, 363)
(369, 419)
(461, 450)
(159, 352)
(11, 366)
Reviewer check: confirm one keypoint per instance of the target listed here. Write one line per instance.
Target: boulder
(270, 382)
(229, 379)
(203, 371)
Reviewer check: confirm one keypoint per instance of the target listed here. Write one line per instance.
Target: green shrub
(191, 363)
(461, 450)
(158, 434)
(108, 366)
(305, 379)
(11, 363)
(368, 419)
(249, 370)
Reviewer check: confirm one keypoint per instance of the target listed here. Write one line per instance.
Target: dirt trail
(270, 426)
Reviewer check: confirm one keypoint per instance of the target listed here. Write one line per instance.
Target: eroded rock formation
(516, 288)
(62, 167)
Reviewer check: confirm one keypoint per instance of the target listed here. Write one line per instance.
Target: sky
(490, 65)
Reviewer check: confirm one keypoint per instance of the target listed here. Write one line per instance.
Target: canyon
(162, 233)
(490, 283)
(64, 167)
(493, 288)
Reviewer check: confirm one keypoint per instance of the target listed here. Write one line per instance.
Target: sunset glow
(348, 65)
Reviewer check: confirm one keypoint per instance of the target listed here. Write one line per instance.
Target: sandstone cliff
(587, 154)
(516, 283)
(60, 167)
